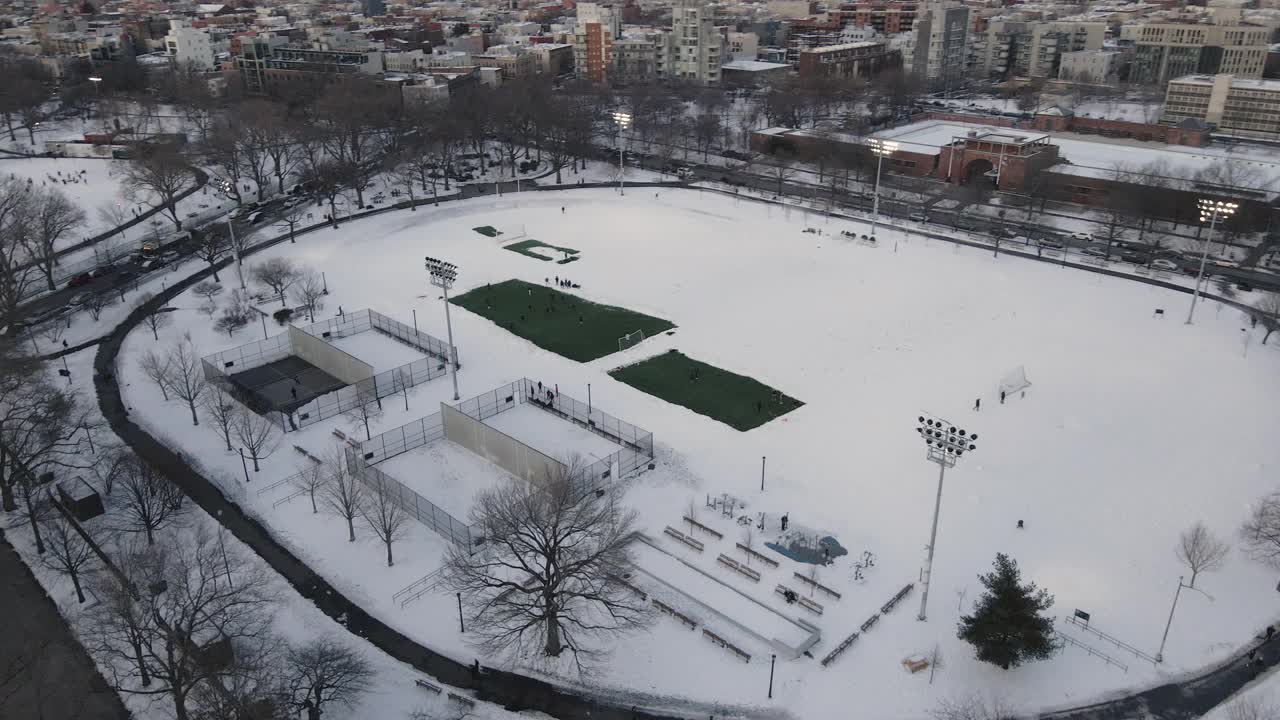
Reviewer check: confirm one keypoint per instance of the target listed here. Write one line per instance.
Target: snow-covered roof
(1236, 82)
(753, 65)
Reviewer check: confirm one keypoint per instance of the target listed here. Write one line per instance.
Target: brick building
(888, 17)
(1008, 159)
(862, 59)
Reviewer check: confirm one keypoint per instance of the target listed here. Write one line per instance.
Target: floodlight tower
(442, 276)
(1210, 210)
(881, 149)
(623, 120)
(944, 444)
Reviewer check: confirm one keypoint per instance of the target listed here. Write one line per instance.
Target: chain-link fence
(219, 366)
(397, 441)
(486, 405)
(420, 508)
(637, 443)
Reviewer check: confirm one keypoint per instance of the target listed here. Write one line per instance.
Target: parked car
(1098, 251)
(80, 298)
(81, 279)
(1164, 264)
(1007, 232)
(254, 217)
(1020, 239)
(1081, 237)
(918, 217)
(1050, 242)
(1137, 258)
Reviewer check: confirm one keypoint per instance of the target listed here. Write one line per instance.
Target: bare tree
(194, 601)
(552, 582)
(17, 274)
(154, 319)
(1261, 530)
(324, 672)
(291, 218)
(208, 291)
(53, 216)
(213, 242)
(186, 374)
(343, 492)
(367, 408)
(148, 501)
(256, 434)
(309, 291)
(381, 510)
(96, 303)
(156, 368)
(68, 554)
(1250, 707)
(1270, 309)
(311, 480)
(158, 174)
(1201, 551)
(119, 629)
(278, 273)
(221, 410)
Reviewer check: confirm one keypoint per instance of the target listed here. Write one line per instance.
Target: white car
(1164, 264)
(918, 217)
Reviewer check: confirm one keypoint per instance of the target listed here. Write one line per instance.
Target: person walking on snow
(1001, 397)
(977, 404)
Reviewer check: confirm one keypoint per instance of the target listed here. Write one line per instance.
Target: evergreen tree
(1006, 627)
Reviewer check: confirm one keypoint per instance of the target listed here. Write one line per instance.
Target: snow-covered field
(1134, 428)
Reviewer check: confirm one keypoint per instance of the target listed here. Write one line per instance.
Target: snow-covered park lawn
(1135, 426)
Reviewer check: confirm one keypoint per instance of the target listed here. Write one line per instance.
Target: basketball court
(286, 384)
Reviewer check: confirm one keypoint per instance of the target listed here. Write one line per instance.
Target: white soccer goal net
(631, 339)
(1014, 381)
(512, 235)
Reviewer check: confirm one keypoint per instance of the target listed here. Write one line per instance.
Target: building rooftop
(1236, 82)
(845, 46)
(753, 66)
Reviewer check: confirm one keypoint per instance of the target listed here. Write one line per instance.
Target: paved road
(1176, 701)
(57, 680)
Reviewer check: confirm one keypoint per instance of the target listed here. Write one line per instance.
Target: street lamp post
(97, 88)
(235, 248)
(881, 149)
(623, 120)
(1210, 210)
(443, 274)
(944, 444)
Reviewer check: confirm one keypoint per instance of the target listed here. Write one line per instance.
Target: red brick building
(861, 59)
(1007, 159)
(886, 16)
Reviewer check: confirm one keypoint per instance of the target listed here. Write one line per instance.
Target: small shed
(80, 499)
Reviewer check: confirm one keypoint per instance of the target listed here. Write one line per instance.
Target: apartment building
(267, 60)
(1243, 106)
(743, 46)
(514, 62)
(694, 49)
(1169, 50)
(887, 17)
(636, 57)
(191, 47)
(861, 59)
(1018, 49)
(1098, 67)
(593, 37)
(937, 49)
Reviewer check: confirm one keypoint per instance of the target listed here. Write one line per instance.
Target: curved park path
(1187, 698)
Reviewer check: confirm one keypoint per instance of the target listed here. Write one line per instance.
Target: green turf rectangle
(735, 400)
(487, 230)
(530, 247)
(557, 321)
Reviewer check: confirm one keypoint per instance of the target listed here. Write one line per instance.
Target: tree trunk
(151, 538)
(75, 581)
(254, 455)
(195, 419)
(48, 275)
(389, 561)
(351, 529)
(35, 526)
(553, 647)
(314, 509)
(143, 674)
(1264, 342)
(7, 500)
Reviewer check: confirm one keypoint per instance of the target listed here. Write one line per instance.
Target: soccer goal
(631, 339)
(1014, 381)
(517, 233)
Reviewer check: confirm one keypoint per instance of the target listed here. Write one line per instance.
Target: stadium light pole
(1210, 210)
(944, 444)
(881, 149)
(623, 120)
(442, 276)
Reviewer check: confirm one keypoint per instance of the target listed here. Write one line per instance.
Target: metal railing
(1112, 639)
(418, 588)
(1096, 653)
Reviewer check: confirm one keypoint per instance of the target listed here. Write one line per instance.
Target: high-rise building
(1169, 50)
(937, 52)
(1244, 106)
(593, 37)
(189, 46)
(695, 49)
(1034, 49)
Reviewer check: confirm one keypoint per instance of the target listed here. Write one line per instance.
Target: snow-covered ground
(393, 693)
(549, 435)
(1134, 428)
(383, 352)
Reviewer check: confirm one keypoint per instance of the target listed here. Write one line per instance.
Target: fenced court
(738, 401)
(265, 375)
(560, 322)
